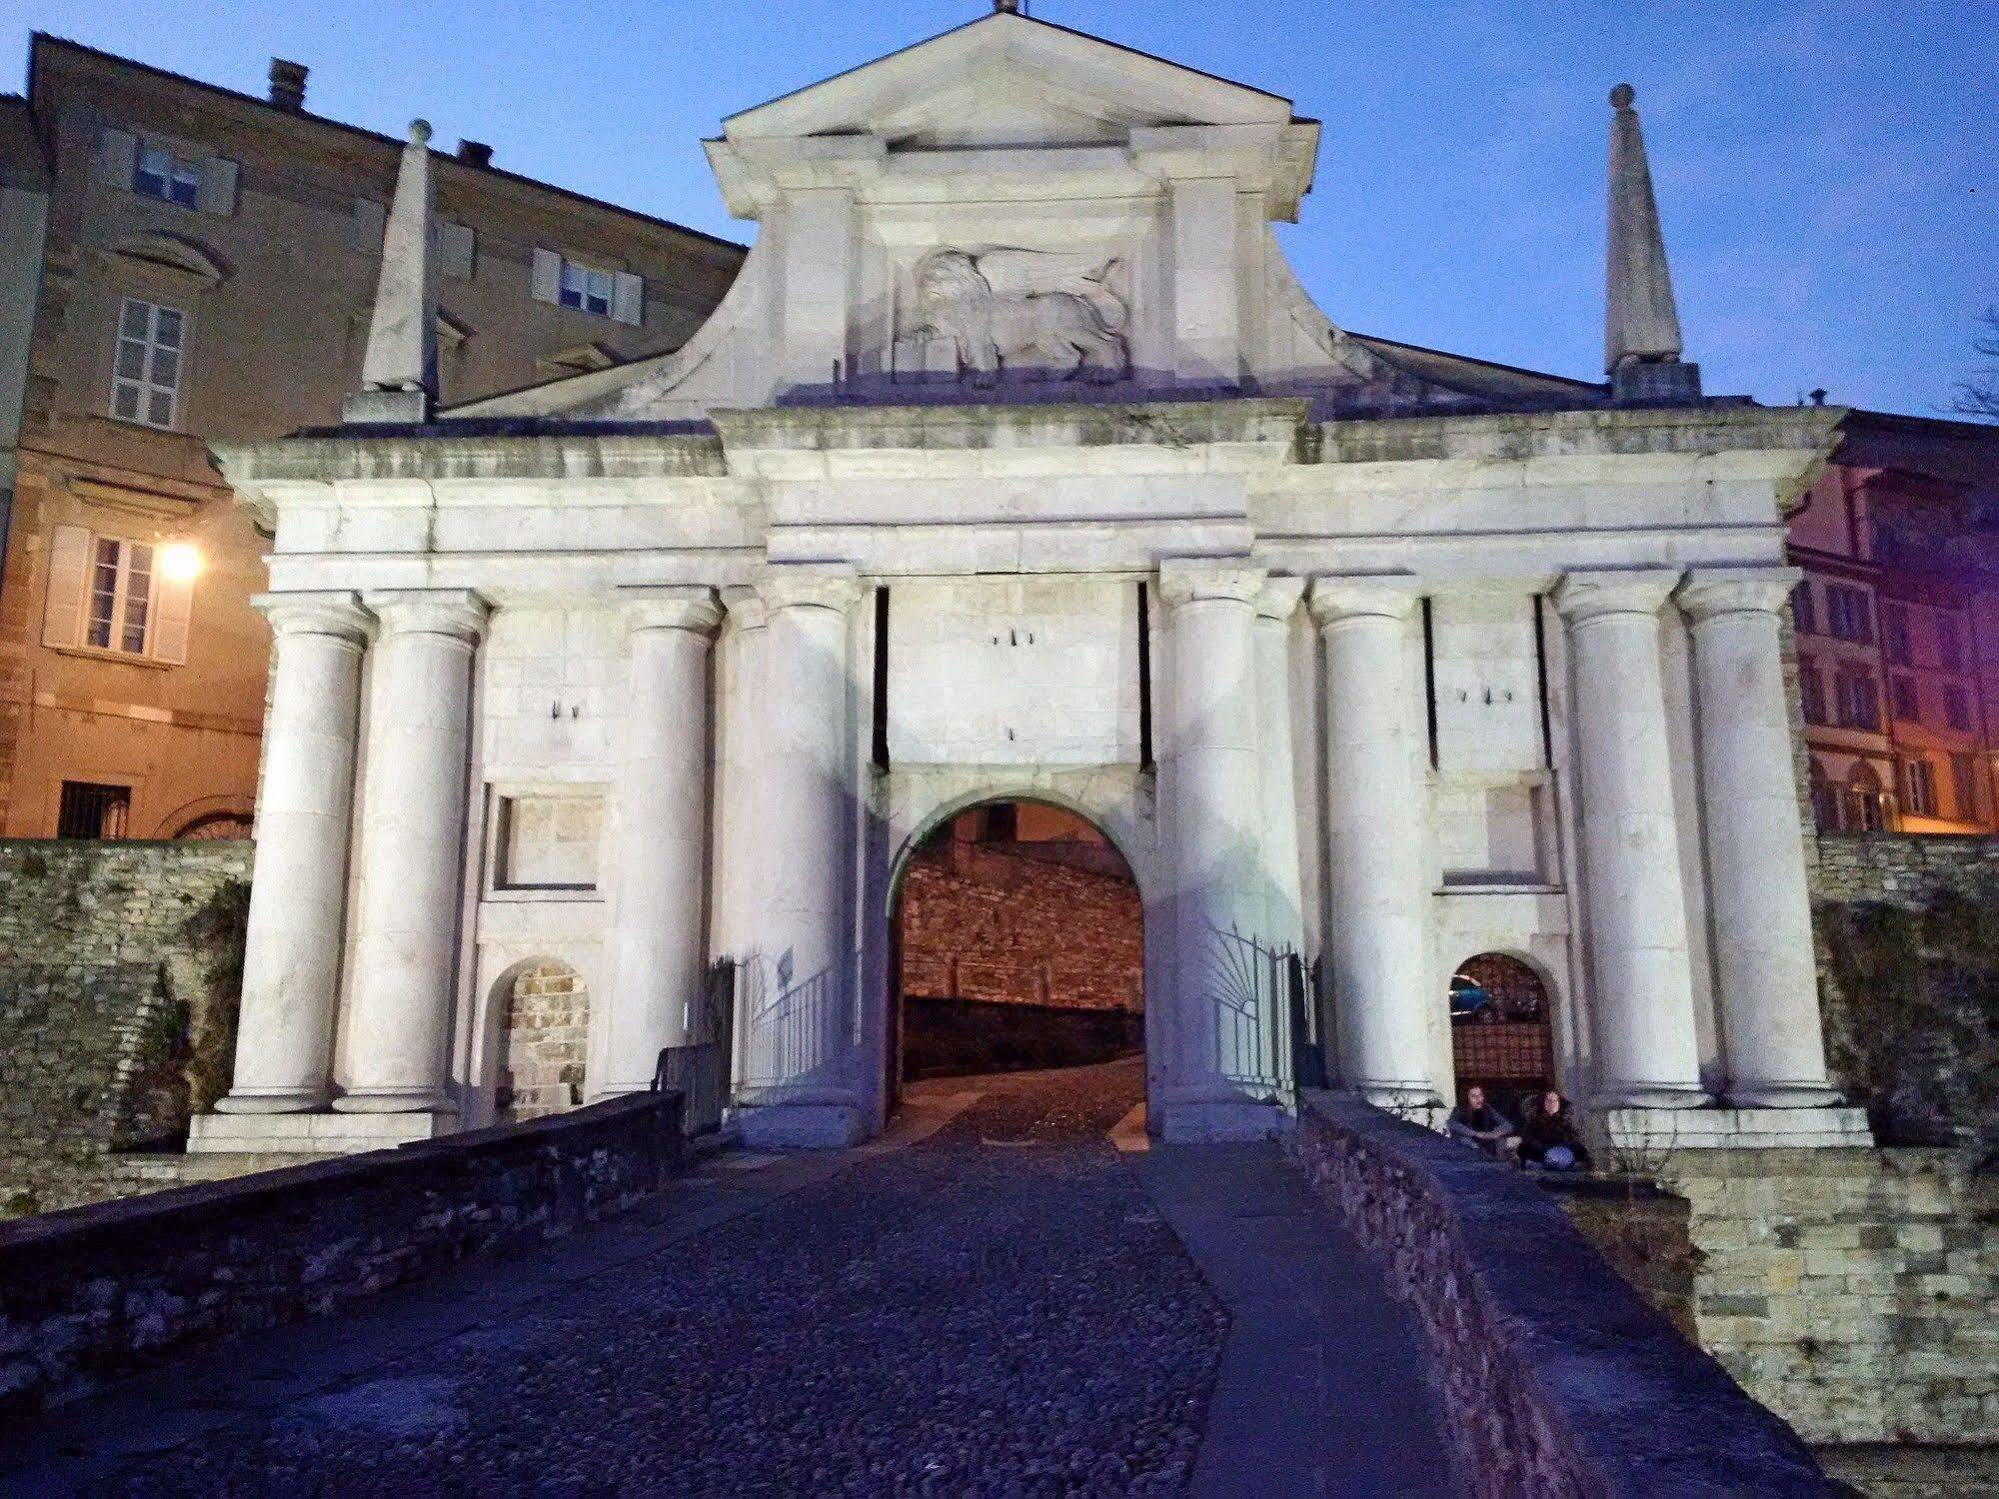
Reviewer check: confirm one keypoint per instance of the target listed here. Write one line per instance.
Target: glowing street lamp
(180, 561)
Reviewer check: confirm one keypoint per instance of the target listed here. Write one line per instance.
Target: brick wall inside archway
(542, 1042)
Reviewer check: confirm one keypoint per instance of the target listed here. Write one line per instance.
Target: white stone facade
(1344, 656)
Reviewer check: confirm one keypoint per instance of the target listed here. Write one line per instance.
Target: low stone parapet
(1557, 1378)
(95, 1292)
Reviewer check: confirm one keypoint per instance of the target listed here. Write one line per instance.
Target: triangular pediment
(1007, 80)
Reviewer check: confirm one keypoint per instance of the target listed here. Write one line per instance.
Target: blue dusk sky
(1828, 170)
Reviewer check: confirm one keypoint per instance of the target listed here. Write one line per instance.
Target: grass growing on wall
(1912, 1014)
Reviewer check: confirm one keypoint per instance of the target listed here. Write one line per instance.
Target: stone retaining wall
(1902, 869)
(1559, 1378)
(119, 969)
(95, 1292)
(1855, 1292)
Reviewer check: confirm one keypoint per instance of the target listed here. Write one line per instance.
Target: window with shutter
(146, 369)
(218, 186)
(366, 227)
(545, 278)
(117, 158)
(455, 244)
(628, 299)
(62, 609)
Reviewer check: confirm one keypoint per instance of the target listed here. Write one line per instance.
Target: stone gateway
(1017, 465)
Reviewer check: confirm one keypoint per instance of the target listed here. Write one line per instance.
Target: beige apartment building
(1898, 627)
(187, 264)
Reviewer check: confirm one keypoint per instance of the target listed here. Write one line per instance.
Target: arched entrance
(1501, 1036)
(544, 1026)
(1016, 944)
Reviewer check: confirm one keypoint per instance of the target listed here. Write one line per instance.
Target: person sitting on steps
(1478, 1124)
(1548, 1139)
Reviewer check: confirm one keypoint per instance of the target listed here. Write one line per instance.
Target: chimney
(475, 153)
(288, 85)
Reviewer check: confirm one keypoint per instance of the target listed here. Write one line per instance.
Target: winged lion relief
(1006, 308)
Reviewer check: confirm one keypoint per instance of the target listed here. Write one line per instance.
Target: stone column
(1766, 976)
(1219, 1081)
(739, 736)
(298, 895)
(1285, 921)
(801, 1086)
(1634, 901)
(412, 851)
(659, 862)
(1378, 882)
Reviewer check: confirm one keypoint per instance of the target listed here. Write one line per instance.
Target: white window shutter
(366, 228)
(454, 250)
(172, 607)
(628, 298)
(69, 571)
(545, 280)
(217, 193)
(117, 157)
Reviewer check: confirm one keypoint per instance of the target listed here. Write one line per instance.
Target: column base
(317, 1134)
(1646, 1095)
(1401, 1098)
(1217, 1121)
(1660, 1132)
(394, 1101)
(799, 1126)
(271, 1101)
(1780, 1095)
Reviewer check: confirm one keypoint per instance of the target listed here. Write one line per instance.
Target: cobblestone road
(990, 1304)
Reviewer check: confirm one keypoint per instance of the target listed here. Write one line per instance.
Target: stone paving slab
(1321, 1389)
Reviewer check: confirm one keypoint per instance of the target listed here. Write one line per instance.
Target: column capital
(1711, 591)
(690, 608)
(808, 586)
(1278, 599)
(339, 615)
(1594, 593)
(455, 612)
(745, 607)
(1341, 596)
(1191, 580)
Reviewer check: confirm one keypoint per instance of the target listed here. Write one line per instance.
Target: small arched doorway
(1501, 1036)
(1017, 944)
(544, 1028)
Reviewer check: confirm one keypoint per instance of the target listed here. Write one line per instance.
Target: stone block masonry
(119, 967)
(1002, 924)
(1854, 1292)
(1559, 1379)
(95, 1292)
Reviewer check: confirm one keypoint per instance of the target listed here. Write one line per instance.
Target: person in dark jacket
(1478, 1124)
(1548, 1139)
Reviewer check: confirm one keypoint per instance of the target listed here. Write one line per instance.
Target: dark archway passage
(1018, 936)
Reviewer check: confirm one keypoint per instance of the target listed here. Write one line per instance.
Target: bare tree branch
(1978, 397)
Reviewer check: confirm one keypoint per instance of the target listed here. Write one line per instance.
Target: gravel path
(997, 1309)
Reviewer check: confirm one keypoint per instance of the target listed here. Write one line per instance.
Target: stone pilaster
(1377, 922)
(660, 857)
(412, 851)
(1765, 973)
(1642, 1003)
(291, 959)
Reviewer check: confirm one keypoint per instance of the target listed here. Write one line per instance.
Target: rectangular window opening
(146, 368)
(92, 809)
